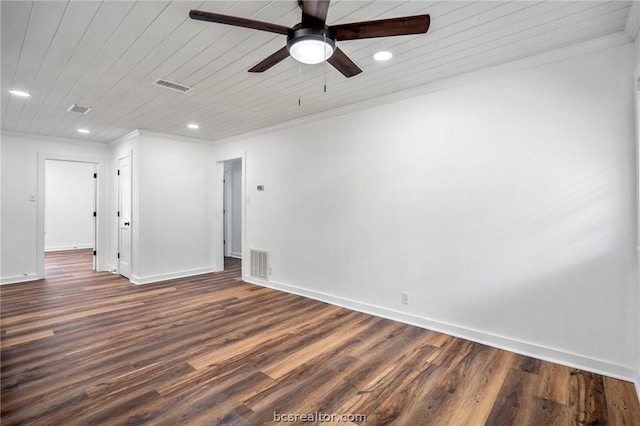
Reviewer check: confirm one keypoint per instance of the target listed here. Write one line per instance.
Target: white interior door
(124, 216)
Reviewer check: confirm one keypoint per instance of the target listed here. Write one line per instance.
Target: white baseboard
(524, 348)
(171, 276)
(67, 248)
(637, 383)
(15, 279)
(236, 255)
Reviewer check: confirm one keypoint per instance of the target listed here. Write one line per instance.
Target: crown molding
(145, 132)
(125, 138)
(633, 21)
(46, 138)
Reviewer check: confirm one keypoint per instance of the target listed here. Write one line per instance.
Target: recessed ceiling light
(83, 131)
(382, 56)
(19, 93)
(193, 126)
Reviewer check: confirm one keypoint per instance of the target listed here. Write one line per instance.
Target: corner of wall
(129, 136)
(633, 25)
(633, 21)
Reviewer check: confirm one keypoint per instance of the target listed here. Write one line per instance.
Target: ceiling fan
(312, 41)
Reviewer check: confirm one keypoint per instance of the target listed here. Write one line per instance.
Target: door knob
(126, 224)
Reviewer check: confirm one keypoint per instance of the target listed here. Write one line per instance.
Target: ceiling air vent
(173, 86)
(79, 109)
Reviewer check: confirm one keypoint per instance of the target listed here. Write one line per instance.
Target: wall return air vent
(79, 109)
(173, 86)
(259, 264)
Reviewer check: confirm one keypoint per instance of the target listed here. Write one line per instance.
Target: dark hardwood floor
(85, 348)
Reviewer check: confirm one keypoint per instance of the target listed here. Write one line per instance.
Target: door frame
(101, 225)
(219, 250)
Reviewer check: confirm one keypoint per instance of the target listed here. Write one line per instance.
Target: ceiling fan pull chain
(325, 77)
(299, 85)
(324, 38)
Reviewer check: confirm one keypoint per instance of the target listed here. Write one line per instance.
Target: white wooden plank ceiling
(106, 55)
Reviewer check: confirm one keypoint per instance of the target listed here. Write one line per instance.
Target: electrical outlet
(405, 298)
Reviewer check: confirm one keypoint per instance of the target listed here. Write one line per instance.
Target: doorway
(230, 217)
(70, 210)
(232, 209)
(100, 259)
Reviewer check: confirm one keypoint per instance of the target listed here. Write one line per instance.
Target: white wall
(173, 208)
(505, 208)
(23, 159)
(69, 205)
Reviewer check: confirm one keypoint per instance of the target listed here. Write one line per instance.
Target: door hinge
(118, 214)
(118, 255)
(94, 252)
(95, 176)
(95, 214)
(118, 172)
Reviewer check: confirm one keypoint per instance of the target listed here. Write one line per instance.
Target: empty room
(319, 212)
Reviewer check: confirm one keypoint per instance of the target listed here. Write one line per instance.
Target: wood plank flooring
(85, 348)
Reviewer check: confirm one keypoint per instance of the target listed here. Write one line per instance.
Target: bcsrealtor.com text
(318, 417)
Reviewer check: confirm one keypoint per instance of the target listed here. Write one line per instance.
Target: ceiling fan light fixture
(311, 48)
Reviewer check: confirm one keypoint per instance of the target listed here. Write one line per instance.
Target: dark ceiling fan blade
(238, 22)
(382, 28)
(314, 12)
(342, 63)
(271, 60)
